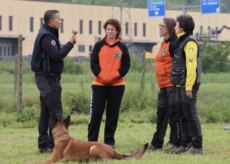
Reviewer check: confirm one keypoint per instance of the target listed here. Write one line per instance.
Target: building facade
(26, 17)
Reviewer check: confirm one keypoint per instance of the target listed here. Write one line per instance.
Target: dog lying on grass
(69, 149)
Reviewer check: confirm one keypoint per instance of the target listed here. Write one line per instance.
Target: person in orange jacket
(110, 62)
(166, 103)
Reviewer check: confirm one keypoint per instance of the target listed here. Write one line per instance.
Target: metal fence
(17, 83)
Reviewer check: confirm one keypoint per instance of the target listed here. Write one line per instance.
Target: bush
(153, 117)
(76, 103)
(7, 119)
(29, 114)
(72, 67)
(136, 65)
(212, 117)
(215, 58)
(66, 112)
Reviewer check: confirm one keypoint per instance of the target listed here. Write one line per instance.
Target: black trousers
(101, 96)
(167, 109)
(191, 127)
(50, 99)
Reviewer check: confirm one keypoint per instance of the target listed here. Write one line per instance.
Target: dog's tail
(137, 155)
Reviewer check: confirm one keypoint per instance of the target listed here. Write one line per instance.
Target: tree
(215, 58)
(225, 4)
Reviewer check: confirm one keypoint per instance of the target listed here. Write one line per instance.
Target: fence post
(143, 72)
(19, 73)
(15, 74)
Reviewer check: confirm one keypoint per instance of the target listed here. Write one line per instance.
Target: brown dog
(69, 149)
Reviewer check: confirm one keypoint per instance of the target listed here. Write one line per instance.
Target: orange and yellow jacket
(163, 62)
(109, 62)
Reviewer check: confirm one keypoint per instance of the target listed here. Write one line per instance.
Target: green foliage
(153, 117)
(7, 119)
(225, 4)
(135, 63)
(66, 112)
(215, 58)
(212, 117)
(29, 114)
(72, 67)
(76, 103)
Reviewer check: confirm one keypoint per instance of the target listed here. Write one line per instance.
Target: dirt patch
(17, 141)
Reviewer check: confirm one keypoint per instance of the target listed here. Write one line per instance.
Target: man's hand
(73, 39)
(189, 94)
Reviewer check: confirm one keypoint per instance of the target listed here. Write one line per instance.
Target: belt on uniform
(48, 74)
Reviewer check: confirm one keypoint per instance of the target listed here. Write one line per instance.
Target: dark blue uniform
(47, 63)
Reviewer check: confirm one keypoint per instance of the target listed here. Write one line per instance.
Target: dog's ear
(54, 121)
(67, 121)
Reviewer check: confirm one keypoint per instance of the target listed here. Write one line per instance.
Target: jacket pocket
(108, 77)
(177, 77)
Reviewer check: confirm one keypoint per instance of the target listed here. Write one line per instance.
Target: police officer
(47, 63)
(186, 74)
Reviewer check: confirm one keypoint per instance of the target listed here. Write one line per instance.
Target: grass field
(20, 145)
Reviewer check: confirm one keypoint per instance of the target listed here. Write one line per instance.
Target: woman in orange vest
(166, 103)
(110, 61)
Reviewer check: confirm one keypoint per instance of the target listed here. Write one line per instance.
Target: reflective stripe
(90, 108)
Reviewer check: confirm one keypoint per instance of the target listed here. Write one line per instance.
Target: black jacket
(178, 73)
(47, 53)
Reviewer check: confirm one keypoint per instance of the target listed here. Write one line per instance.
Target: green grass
(19, 145)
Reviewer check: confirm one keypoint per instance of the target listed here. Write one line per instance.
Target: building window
(10, 23)
(31, 24)
(90, 27)
(90, 48)
(8, 51)
(41, 22)
(144, 29)
(99, 27)
(0, 50)
(81, 48)
(13, 54)
(4, 53)
(126, 28)
(81, 26)
(135, 29)
(62, 26)
(0, 23)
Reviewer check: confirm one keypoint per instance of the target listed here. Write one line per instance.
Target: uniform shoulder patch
(53, 42)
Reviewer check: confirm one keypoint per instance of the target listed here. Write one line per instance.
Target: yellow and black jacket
(109, 63)
(186, 66)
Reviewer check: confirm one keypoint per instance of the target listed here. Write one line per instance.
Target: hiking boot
(179, 150)
(112, 146)
(45, 150)
(172, 149)
(168, 144)
(192, 150)
(152, 148)
(49, 150)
